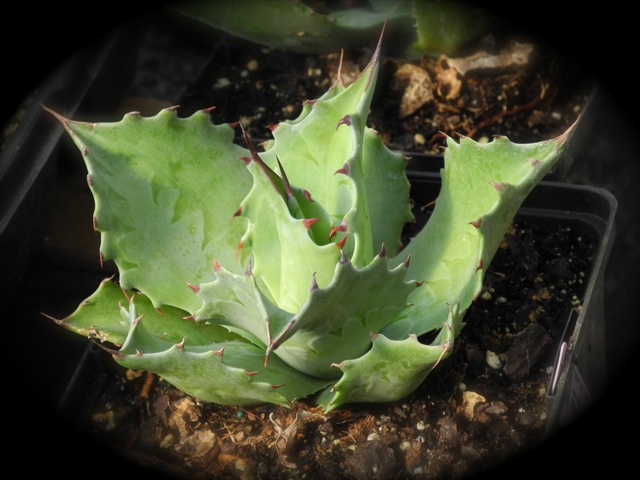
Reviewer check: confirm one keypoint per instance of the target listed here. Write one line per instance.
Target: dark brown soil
(527, 102)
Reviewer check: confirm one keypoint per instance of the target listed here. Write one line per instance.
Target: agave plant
(249, 277)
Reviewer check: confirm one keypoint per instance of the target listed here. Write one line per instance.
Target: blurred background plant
(414, 27)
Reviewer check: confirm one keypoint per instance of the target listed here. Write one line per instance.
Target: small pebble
(493, 360)
(222, 82)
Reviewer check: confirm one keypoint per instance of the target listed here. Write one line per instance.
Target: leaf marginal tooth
(498, 185)
(278, 340)
(338, 228)
(238, 248)
(307, 195)
(344, 170)
(476, 223)
(285, 180)
(218, 353)
(314, 283)
(307, 222)
(346, 120)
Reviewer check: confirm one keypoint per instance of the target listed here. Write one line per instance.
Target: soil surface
(503, 86)
(482, 406)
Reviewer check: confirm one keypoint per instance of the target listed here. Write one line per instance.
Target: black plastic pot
(28, 158)
(579, 374)
(33, 163)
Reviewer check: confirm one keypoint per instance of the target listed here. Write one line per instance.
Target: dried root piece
(286, 437)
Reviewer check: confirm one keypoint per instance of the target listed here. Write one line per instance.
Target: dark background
(602, 39)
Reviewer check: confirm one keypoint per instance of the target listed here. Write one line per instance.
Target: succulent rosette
(249, 277)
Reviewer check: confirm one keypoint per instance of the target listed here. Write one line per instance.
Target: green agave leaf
(285, 256)
(386, 191)
(313, 147)
(165, 191)
(236, 302)
(392, 369)
(98, 317)
(445, 26)
(483, 186)
(337, 321)
(396, 12)
(330, 153)
(228, 372)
